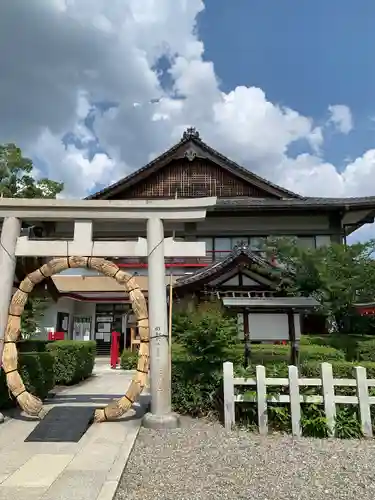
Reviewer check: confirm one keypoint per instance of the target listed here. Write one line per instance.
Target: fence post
(262, 400)
(229, 414)
(363, 401)
(329, 397)
(295, 405)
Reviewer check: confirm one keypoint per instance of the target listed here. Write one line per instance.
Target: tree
(16, 176)
(32, 313)
(338, 276)
(17, 181)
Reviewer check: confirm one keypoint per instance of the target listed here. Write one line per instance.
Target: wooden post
(329, 397)
(363, 401)
(246, 332)
(295, 406)
(228, 382)
(170, 321)
(262, 400)
(292, 339)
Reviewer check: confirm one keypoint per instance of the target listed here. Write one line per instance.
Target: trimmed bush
(264, 354)
(321, 353)
(32, 345)
(37, 372)
(341, 369)
(74, 360)
(197, 360)
(355, 347)
(366, 350)
(195, 392)
(128, 359)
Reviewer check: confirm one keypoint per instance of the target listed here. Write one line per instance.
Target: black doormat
(63, 424)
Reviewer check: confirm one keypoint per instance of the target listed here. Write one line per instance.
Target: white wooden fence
(328, 398)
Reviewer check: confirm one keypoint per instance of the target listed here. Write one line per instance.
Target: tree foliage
(338, 276)
(16, 176)
(33, 312)
(17, 181)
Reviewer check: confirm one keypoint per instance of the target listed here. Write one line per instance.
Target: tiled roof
(242, 249)
(191, 135)
(307, 202)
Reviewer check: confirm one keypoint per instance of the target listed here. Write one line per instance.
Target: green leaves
(17, 179)
(31, 316)
(74, 360)
(338, 275)
(207, 335)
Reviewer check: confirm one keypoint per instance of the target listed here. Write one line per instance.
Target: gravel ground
(201, 461)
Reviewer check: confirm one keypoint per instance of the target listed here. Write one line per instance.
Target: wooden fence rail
(328, 398)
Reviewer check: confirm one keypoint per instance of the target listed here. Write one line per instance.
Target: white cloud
(74, 167)
(341, 117)
(71, 53)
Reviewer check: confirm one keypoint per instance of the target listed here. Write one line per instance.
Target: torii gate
(156, 247)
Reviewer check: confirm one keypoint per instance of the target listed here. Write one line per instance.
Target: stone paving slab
(40, 471)
(88, 469)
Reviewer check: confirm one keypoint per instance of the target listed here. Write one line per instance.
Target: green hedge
(74, 360)
(262, 354)
(195, 392)
(355, 347)
(341, 369)
(366, 350)
(37, 372)
(128, 359)
(32, 345)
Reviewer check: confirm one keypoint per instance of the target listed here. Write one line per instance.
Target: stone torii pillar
(161, 416)
(10, 232)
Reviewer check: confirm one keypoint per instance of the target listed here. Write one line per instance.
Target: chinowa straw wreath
(30, 403)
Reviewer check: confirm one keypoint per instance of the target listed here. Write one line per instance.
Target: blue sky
(304, 54)
(284, 87)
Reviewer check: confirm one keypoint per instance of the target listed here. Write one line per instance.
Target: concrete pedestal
(168, 421)
(160, 416)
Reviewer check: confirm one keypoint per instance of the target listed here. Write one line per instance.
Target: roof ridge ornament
(190, 154)
(190, 133)
(241, 246)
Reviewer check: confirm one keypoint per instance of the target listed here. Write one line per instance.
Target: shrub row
(312, 368)
(74, 360)
(37, 372)
(62, 362)
(32, 345)
(263, 354)
(129, 359)
(354, 347)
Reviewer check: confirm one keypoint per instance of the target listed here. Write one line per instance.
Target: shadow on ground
(90, 400)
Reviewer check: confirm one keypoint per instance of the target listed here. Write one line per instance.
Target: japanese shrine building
(248, 210)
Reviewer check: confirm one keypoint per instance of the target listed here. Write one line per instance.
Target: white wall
(86, 309)
(73, 308)
(48, 321)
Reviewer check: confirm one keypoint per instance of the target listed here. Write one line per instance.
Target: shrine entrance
(69, 253)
